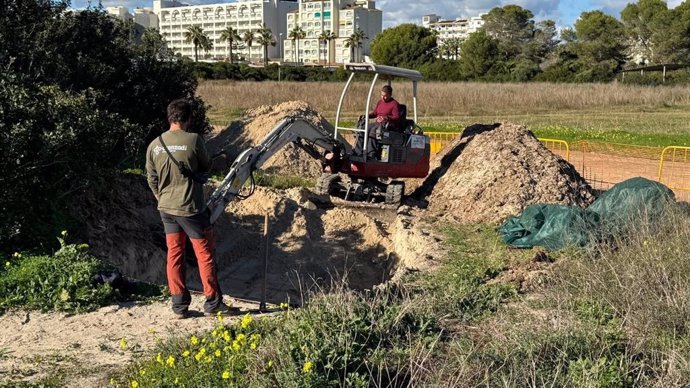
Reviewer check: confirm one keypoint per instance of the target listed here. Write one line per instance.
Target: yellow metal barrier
(440, 139)
(674, 169)
(557, 145)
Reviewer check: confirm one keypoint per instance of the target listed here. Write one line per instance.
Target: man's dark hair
(179, 111)
(387, 88)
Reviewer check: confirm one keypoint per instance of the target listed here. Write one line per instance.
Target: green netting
(617, 211)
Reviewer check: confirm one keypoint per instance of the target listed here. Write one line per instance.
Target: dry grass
(436, 99)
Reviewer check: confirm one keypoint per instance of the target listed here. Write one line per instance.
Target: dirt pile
(492, 172)
(310, 246)
(253, 127)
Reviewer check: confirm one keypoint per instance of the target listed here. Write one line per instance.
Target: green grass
(223, 116)
(281, 181)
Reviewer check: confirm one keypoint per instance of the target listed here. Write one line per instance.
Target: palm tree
(199, 39)
(326, 38)
(248, 39)
(231, 36)
(264, 39)
(331, 37)
(354, 41)
(452, 47)
(323, 38)
(296, 34)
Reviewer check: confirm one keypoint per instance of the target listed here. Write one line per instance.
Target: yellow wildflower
(246, 321)
(241, 338)
(208, 359)
(159, 359)
(17, 255)
(217, 353)
(284, 306)
(236, 346)
(270, 363)
(219, 316)
(186, 353)
(203, 340)
(213, 345)
(252, 346)
(7, 264)
(226, 336)
(170, 361)
(142, 372)
(214, 333)
(112, 381)
(226, 375)
(194, 340)
(135, 384)
(123, 343)
(307, 367)
(226, 349)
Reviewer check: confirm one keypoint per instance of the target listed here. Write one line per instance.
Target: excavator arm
(291, 130)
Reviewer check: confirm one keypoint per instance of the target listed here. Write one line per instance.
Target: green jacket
(177, 195)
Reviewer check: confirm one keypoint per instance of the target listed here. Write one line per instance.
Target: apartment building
(341, 17)
(448, 29)
(175, 18)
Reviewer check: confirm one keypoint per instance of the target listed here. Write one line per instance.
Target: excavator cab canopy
(380, 72)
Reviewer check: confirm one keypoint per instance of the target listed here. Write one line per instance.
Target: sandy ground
(86, 348)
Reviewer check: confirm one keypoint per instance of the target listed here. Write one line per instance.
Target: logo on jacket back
(172, 148)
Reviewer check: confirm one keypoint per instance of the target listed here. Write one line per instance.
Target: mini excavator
(348, 172)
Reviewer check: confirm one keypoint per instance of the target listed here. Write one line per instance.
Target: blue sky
(564, 12)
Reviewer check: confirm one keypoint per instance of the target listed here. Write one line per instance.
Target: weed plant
(265, 179)
(66, 281)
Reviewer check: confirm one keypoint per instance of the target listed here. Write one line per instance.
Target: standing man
(172, 162)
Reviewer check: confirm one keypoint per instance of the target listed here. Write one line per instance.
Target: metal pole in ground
(262, 304)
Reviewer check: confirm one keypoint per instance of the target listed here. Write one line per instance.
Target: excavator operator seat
(406, 125)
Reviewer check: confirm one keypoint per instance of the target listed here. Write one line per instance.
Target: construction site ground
(311, 245)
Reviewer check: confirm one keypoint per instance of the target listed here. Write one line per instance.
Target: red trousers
(203, 249)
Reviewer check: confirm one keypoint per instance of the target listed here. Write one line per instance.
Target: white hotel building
(457, 28)
(174, 18)
(342, 17)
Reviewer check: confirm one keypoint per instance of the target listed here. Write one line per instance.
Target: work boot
(182, 314)
(222, 309)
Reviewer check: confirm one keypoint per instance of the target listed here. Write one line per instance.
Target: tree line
(511, 46)
(79, 97)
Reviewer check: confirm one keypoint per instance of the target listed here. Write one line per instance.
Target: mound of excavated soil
(253, 127)
(308, 245)
(492, 172)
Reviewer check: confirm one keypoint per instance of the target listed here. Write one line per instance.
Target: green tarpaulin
(613, 213)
